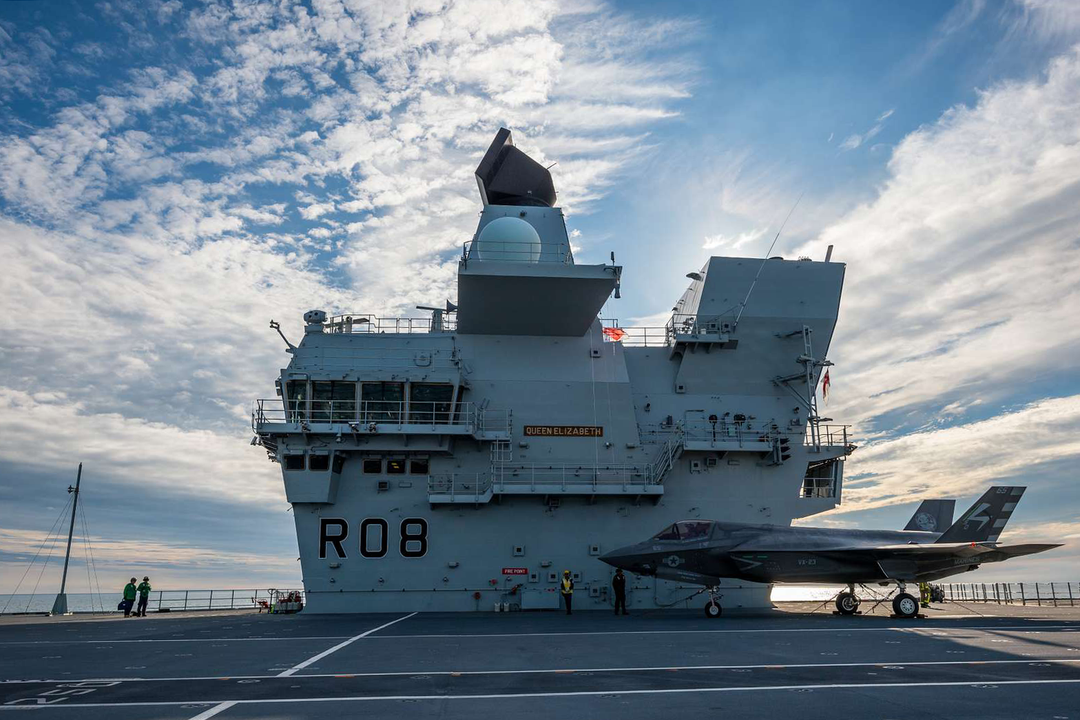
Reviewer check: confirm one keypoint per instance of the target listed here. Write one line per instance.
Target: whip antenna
(742, 305)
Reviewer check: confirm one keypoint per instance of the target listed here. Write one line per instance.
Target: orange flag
(614, 334)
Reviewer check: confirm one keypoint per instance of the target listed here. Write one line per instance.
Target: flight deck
(960, 661)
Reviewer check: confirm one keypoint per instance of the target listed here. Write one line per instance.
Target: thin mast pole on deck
(60, 604)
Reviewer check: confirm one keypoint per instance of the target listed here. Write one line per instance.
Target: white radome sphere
(510, 239)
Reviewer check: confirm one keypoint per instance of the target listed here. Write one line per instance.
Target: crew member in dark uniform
(144, 596)
(618, 586)
(129, 598)
(567, 590)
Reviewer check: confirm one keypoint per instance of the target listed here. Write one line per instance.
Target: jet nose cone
(620, 558)
(610, 558)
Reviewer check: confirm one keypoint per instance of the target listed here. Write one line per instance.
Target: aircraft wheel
(713, 609)
(847, 603)
(905, 605)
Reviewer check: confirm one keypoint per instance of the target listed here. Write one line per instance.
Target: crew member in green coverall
(144, 596)
(129, 597)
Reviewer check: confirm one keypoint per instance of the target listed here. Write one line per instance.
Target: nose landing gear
(712, 608)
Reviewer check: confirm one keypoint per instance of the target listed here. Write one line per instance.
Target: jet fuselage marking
(983, 519)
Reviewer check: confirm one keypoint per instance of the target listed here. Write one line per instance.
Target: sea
(107, 602)
(222, 599)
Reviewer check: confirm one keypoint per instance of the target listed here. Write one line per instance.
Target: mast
(60, 604)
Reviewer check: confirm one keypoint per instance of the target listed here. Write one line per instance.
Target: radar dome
(508, 239)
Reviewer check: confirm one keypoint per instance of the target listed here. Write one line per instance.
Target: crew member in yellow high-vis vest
(567, 590)
(924, 594)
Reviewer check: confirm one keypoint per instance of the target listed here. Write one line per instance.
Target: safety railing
(372, 324)
(500, 251)
(827, 435)
(679, 327)
(181, 600)
(728, 429)
(818, 487)
(568, 476)
(634, 336)
(460, 487)
(276, 410)
(364, 414)
(1054, 594)
(564, 477)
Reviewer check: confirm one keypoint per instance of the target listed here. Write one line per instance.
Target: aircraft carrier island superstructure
(467, 458)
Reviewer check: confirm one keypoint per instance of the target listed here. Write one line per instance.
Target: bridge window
(395, 467)
(820, 479)
(319, 462)
(333, 401)
(294, 462)
(382, 401)
(430, 402)
(418, 466)
(373, 465)
(296, 400)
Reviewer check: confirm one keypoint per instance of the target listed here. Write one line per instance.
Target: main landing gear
(847, 603)
(905, 605)
(712, 608)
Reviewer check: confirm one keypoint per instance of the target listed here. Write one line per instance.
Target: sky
(176, 174)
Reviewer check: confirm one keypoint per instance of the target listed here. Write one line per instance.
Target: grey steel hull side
(481, 541)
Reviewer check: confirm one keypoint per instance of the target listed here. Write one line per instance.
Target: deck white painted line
(567, 671)
(1073, 628)
(354, 638)
(214, 711)
(314, 658)
(170, 640)
(577, 693)
(834, 629)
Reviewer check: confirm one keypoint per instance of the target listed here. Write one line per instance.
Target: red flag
(614, 334)
(825, 387)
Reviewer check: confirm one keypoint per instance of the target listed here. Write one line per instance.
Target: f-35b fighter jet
(703, 551)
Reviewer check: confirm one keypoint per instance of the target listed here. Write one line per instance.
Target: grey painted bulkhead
(628, 391)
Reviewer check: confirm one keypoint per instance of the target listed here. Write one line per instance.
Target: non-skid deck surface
(978, 662)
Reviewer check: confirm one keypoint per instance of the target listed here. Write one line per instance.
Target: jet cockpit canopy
(686, 530)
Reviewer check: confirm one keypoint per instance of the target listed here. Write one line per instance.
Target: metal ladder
(669, 453)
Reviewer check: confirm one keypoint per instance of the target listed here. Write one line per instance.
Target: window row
(345, 401)
(316, 461)
(393, 466)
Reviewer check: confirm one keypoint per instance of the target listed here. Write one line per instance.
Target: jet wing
(907, 562)
(967, 549)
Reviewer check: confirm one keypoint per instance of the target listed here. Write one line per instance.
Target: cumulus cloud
(959, 286)
(964, 459)
(137, 294)
(959, 308)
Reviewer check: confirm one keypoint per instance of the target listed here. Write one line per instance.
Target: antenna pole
(763, 261)
(60, 604)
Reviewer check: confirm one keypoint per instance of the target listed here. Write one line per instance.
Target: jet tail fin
(932, 516)
(984, 521)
